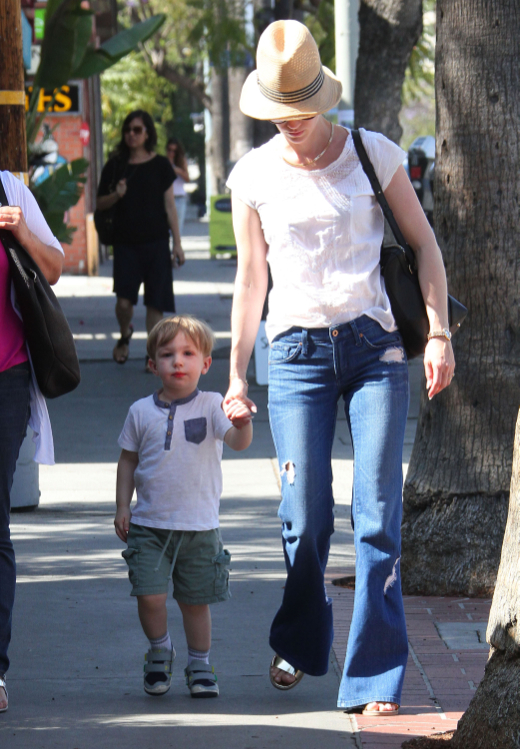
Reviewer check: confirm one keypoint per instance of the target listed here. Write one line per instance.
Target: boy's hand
(122, 523)
(238, 413)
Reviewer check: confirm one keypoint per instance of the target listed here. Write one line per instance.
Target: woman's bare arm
(439, 362)
(248, 297)
(48, 258)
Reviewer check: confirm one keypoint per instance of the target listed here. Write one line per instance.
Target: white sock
(162, 642)
(198, 655)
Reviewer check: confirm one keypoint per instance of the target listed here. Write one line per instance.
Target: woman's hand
(178, 257)
(12, 219)
(238, 413)
(121, 188)
(237, 391)
(439, 365)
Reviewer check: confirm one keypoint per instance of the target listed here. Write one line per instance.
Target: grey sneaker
(158, 671)
(201, 679)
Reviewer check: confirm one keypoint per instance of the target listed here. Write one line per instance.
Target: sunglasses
(294, 119)
(135, 129)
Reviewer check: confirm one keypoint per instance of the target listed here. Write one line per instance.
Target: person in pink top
(21, 402)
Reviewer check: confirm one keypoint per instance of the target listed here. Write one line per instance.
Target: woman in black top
(138, 183)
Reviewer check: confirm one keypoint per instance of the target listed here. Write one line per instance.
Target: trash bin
(221, 236)
(25, 493)
(421, 165)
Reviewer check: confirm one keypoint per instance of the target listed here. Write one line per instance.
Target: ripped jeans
(309, 370)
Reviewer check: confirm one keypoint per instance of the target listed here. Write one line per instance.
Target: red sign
(84, 133)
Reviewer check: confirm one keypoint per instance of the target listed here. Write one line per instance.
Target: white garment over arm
(19, 195)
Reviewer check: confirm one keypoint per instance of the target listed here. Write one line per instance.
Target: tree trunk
(240, 126)
(457, 488)
(13, 146)
(388, 31)
(217, 147)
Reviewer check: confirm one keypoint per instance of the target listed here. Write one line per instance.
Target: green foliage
(58, 193)
(220, 31)
(95, 61)
(68, 28)
(321, 25)
(417, 116)
(66, 52)
(128, 85)
(420, 74)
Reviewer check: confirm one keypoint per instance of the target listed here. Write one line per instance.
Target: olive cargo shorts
(195, 560)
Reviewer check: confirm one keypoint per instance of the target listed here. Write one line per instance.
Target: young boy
(172, 445)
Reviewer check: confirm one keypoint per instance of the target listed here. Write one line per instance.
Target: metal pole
(347, 43)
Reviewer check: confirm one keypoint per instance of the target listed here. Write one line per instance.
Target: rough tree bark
(388, 31)
(457, 489)
(492, 720)
(217, 147)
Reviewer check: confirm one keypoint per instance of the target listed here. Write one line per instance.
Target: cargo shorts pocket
(196, 430)
(131, 557)
(222, 562)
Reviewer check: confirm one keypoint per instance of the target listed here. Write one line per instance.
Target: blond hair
(167, 328)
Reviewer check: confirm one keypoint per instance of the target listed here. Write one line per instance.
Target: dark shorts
(150, 264)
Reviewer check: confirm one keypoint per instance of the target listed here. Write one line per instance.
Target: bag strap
(378, 192)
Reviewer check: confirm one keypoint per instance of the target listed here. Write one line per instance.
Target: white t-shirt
(178, 479)
(324, 229)
(19, 195)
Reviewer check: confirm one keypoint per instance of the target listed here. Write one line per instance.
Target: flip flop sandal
(123, 341)
(201, 679)
(158, 671)
(381, 713)
(3, 685)
(278, 662)
(362, 710)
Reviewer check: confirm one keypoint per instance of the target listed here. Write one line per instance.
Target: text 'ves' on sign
(64, 100)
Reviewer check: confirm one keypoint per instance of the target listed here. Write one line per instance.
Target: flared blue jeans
(309, 371)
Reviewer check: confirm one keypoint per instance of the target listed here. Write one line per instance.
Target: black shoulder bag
(47, 332)
(399, 270)
(104, 220)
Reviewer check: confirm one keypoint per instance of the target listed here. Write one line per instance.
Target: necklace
(316, 158)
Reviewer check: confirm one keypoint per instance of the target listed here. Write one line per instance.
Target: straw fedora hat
(289, 81)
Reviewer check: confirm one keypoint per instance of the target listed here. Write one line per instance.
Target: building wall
(70, 147)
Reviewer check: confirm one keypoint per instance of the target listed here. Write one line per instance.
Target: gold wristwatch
(444, 333)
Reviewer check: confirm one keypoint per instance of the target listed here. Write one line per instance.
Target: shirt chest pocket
(196, 430)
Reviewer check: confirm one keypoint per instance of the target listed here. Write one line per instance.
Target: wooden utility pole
(13, 145)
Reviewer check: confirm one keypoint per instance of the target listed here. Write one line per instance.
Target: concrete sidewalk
(76, 676)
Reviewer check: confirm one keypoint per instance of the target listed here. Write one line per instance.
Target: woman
(21, 402)
(303, 204)
(138, 183)
(176, 156)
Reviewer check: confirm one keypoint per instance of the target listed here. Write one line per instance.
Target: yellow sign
(64, 100)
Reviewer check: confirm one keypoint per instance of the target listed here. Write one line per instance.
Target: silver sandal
(280, 663)
(3, 686)
(158, 662)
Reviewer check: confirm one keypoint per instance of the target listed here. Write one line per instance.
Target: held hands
(237, 406)
(12, 219)
(439, 365)
(122, 522)
(238, 413)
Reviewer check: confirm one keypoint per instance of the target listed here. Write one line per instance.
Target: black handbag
(104, 220)
(49, 338)
(399, 270)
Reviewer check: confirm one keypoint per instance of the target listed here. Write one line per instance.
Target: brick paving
(439, 682)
